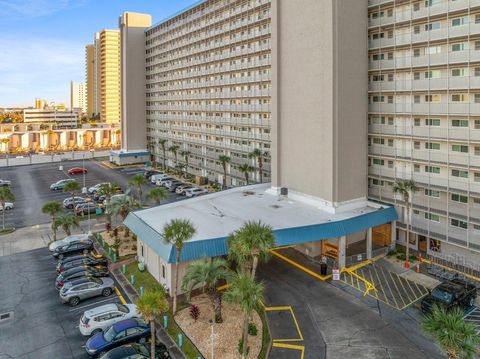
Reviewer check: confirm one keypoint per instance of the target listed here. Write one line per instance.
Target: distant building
(62, 119)
(78, 96)
(40, 104)
(90, 79)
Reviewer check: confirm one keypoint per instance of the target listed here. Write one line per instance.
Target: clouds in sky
(39, 67)
(34, 8)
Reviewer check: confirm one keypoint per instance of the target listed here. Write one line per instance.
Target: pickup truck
(4, 183)
(450, 294)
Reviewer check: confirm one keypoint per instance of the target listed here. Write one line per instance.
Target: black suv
(81, 260)
(73, 248)
(79, 272)
(450, 294)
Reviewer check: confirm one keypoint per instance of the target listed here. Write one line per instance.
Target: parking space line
(120, 296)
(91, 304)
(381, 286)
(371, 281)
(300, 348)
(389, 288)
(397, 289)
(299, 266)
(410, 299)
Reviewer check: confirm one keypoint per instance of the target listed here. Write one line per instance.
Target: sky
(42, 42)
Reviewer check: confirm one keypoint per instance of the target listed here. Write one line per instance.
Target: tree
(67, 222)
(174, 150)
(456, 337)
(248, 294)
(151, 306)
(138, 181)
(186, 156)
(405, 188)
(259, 157)
(224, 160)
(180, 167)
(208, 274)
(246, 169)
(162, 143)
(108, 190)
(6, 195)
(251, 243)
(52, 208)
(177, 232)
(122, 207)
(157, 194)
(72, 187)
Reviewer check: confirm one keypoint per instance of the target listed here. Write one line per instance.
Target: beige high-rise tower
(110, 75)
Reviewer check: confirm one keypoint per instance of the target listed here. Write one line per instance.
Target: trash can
(323, 268)
(98, 211)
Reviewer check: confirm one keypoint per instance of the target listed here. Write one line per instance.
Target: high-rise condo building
(78, 96)
(424, 117)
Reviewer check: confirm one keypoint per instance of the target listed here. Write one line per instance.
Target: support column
(369, 243)
(393, 234)
(342, 242)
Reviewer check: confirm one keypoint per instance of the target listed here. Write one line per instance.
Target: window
(459, 123)
(459, 72)
(416, 52)
(458, 223)
(378, 35)
(432, 122)
(390, 143)
(390, 164)
(376, 78)
(390, 99)
(432, 217)
(163, 271)
(416, 168)
(476, 98)
(460, 148)
(433, 74)
(432, 26)
(416, 29)
(377, 183)
(378, 141)
(390, 121)
(377, 15)
(432, 169)
(476, 176)
(378, 99)
(378, 162)
(459, 198)
(476, 150)
(429, 3)
(459, 47)
(477, 125)
(460, 21)
(460, 173)
(377, 57)
(458, 97)
(433, 98)
(416, 75)
(477, 45)
(416, 98)
(432, 146)
(416, 121)
(416, 145)
(476, 227)
(477, 71)
(476, 202)
(432, 193)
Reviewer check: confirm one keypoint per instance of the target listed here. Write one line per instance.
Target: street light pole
(212, 339)
(83, 166)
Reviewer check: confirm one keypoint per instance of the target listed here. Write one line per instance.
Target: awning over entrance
(217, 215)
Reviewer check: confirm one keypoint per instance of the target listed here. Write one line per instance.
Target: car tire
(74, 301)
(96, 331)
(107, 292)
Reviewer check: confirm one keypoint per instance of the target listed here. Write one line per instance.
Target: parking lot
(35, 324)
(31, 186)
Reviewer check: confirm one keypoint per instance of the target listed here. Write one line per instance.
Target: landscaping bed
(7, 230)
(227, 334)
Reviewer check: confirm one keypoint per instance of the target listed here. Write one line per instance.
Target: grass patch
(7, 230)
(142, 279)
(173, 330)
(265, 335)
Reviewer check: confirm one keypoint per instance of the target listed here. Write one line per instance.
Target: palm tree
(6, 195)
(108, 190)
(52, 208)
(67, 222)
(224, 160)
(259, 157)
(72, 187)
(253, 241)
(122, 207)
(157, 194)
(246, 169)
(180, 167)
(174, 150)
(186, 156)
(208, 274)
(404, 188)
(248, 294)
(456, 337)
(151, 306)
(162, 143)
(138, 181)
(176, 233)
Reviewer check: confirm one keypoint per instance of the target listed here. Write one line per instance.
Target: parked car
(77, 171)
(150, 173)
(4, 183)
(450, 294)
(85, 208)
(98, 319)
(137, 351)
(174, 184)
(60, 184)
(162, 181)
(123, 332)
(81, 271)
(95, 188)
(181, 189)
(156, 176)
(8, 206)
(68, 202)
(115, 197)
(79, 289)
(80, 260)
(195, 192)
(66, 240)
(97, 197)
(73, 248)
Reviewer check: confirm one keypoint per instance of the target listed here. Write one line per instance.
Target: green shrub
(412, 258)
(252, 329)
(391, 252)
(240, 347)
(400, 249)
(401, 256)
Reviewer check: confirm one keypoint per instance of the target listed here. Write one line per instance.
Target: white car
(8, 205)
(157, 176)
(95, 188)
(67, 240)
(194, 192)
(101, 318)
(163, 181)
(5, 183)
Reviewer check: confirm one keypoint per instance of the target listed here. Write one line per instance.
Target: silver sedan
(79, 289)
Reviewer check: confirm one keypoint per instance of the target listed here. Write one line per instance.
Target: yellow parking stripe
(122, 300)
(411, 289)
(389, 288)
(396, 287)
(299, 266)
(404, 289)
(371, 281)
(382, 288)
(300, 348)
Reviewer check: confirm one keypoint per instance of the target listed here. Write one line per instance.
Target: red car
(77, 171)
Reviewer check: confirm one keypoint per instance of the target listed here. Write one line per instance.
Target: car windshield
(122, 308)
(110, 334)
(442, 295)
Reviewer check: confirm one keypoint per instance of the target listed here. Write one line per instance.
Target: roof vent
(6, 316)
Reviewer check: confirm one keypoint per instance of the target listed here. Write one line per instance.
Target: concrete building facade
(62, 119)
(78, 95)
(424, 118)
(110, 75)
(90, 79)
